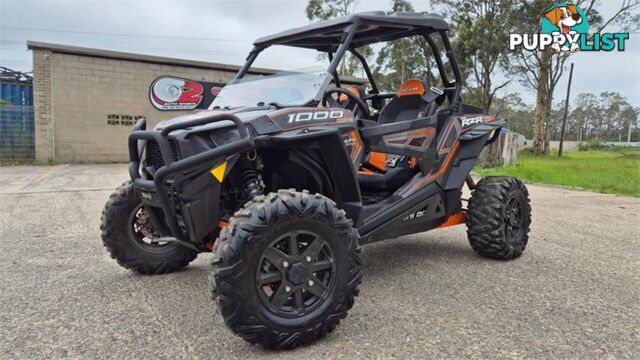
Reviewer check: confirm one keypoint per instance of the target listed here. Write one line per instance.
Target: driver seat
(412, 101)
(386, 172)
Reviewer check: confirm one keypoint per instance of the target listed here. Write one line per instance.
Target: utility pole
(629, 133)
(566, 110)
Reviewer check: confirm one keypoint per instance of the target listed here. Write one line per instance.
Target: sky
(223, 30)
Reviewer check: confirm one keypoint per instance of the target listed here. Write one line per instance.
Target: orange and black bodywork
(318, 149)
(395, 172)
(286, 174)
(444, 152)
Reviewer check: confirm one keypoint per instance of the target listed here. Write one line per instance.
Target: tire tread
(119, 247)
(247, 225)
(485, 223)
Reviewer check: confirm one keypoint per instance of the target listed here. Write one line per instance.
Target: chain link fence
(17, 135)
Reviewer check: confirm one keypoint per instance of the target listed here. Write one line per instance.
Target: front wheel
(290, 269)
(132, 241)
(499, 217)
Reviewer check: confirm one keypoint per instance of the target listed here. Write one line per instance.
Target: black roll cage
(344, 45)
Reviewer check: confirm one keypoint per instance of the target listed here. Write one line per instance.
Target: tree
(518, 114)
(328, 9)
(481, 32)
(403, 59)
(629, 119)
(607, 117)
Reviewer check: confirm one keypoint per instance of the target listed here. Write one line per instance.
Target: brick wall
(89, 90)
(77, 94)
(43, 105)
(77, 91)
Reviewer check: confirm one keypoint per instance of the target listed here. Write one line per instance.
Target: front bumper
(183, 188)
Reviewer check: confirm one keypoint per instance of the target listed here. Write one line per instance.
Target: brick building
(86, 100)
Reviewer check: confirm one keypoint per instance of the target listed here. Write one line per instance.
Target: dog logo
(565, 21)
(565, 28)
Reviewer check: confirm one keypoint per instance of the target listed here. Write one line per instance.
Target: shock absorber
(250, 178)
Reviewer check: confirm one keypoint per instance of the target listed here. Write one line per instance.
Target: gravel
(573, 294)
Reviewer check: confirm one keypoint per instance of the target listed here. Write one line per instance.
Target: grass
(615, 171)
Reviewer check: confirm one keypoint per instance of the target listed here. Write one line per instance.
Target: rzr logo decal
(475, 120)
(315, 115)
(471, 121)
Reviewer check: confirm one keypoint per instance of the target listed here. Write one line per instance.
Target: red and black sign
(172, 93)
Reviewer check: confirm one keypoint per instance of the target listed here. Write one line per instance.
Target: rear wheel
(499, 217)
(132, 241)
(290, 269)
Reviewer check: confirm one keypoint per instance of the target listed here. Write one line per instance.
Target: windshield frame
(335, 58)
(344, 45)
(230, 90)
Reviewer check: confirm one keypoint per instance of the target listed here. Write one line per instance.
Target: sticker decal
(315, 115)
(475, 120)
(173, 93)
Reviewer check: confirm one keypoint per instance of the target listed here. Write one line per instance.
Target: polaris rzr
(286, 175)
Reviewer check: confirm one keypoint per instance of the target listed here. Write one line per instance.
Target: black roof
(376, 26)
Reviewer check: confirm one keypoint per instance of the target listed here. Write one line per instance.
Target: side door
(412, 138)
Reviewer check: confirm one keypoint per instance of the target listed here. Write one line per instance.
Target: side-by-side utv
(286, 175)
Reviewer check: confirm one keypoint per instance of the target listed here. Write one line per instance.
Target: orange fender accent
(454, 219)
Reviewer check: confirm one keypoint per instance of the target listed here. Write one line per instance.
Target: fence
(571, 145)
(16, 133)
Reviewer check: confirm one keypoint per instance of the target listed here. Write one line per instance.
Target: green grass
(615, 171)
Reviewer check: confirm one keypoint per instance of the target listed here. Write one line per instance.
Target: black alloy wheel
(141, 231)
(296, 274)
(289, 271)
(514, 219)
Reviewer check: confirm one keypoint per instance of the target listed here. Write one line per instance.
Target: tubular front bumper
(156, 192)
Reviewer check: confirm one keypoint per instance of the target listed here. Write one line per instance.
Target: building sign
(172, 93)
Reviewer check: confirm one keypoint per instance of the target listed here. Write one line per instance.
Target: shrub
(593, 144)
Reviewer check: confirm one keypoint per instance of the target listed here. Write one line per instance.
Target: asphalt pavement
(575, 293)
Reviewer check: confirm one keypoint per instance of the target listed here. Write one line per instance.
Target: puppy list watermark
(565, 27)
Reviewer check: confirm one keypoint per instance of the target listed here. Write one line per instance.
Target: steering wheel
(327, 99)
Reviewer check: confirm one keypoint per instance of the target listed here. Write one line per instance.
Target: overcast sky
(222, 31)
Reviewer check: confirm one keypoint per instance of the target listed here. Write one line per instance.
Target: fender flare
(329, 143)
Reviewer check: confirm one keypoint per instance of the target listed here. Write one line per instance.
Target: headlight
(225, 136)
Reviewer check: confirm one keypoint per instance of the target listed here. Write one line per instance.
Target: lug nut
(308, 258)
(285, 264)
(310, 283)
(287, 289)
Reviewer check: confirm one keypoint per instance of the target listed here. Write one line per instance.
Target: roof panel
(325, 35)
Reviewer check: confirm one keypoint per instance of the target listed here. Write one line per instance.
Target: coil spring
(249, 164)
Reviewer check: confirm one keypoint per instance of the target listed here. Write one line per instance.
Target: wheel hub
(142, 231)
(297, 274)
(514, 218)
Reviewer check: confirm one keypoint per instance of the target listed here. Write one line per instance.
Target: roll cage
(338, 36)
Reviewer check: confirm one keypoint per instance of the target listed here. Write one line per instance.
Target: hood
(245, 114)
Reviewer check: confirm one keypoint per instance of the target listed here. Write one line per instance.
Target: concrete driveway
(575, 293)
